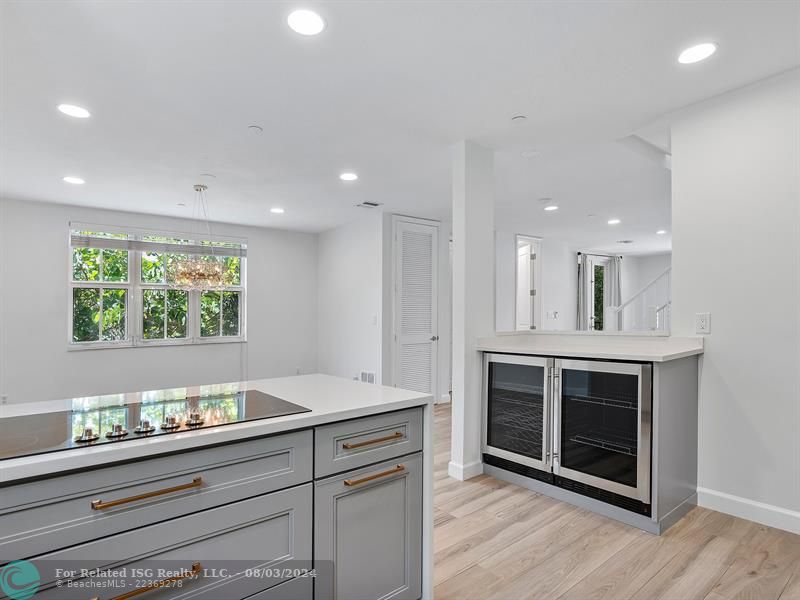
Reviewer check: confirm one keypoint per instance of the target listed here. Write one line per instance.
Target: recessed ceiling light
(208, 175)
(661, 232)
(551, 207)
(277, 211)
(614, 221)
(73, 180)
(348, 176)
(518, 118)
(697, 53)
(306, 22)
(74, 111)
(255, 129)
(624, 241)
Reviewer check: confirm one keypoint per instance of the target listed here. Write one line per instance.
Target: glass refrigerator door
(516, 410)
(602, 427)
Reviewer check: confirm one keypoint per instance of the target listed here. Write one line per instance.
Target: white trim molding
(464, 472)
(752, 510)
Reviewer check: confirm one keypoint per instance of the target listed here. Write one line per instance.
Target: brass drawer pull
(353, 446)
(392, 471)
(195, 570)
(100, 505)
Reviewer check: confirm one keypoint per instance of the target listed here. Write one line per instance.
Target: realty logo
(19, 580)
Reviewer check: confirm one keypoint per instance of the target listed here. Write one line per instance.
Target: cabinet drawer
(300, 588)
(39, 516)
(271, 531)
(368, 533)
(352, 444)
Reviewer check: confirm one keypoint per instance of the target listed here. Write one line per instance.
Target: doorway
(416, 298)
(527, 299)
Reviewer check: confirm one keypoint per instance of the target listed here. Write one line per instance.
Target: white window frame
(134, 321)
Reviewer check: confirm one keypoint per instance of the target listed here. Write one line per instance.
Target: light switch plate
(702, 323)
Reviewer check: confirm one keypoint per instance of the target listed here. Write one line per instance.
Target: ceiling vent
(369, 204)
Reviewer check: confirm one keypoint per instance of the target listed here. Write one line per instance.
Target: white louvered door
(416, 294)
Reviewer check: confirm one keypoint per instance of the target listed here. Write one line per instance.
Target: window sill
(83, 346)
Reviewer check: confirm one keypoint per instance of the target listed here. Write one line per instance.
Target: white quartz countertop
(329, 398)
(647, 348)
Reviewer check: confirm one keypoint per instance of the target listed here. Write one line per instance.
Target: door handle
(434, 338)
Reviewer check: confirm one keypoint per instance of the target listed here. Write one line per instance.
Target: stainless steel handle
(195, 570)
(556, 419)
(352, 445)
(392, 471)
(100, 505)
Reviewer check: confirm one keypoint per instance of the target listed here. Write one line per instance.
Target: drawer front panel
(368, 533)
(272, 531)
(352, 444)
(117, 499)
(300, 588)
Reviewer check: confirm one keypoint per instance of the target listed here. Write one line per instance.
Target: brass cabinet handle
(195, 570)
(100, 505)
(352, 446)
(392, 471)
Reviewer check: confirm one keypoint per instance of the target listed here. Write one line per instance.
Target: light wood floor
(494, 540)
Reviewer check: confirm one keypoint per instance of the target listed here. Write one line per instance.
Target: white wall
(647, 269)
(35, 363)
(355, 300)
(350, 298)
(559, 291)
(445, 317)
(736, 254)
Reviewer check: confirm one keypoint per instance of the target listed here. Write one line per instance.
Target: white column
(473, 298)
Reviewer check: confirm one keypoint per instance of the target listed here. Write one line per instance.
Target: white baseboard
(464, 472)
(752, 510)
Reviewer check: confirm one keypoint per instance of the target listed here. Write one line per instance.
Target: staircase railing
(645, 313)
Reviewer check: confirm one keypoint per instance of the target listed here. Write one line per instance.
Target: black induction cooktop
(90, 425)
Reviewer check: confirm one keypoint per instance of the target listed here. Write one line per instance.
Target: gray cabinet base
(607, 510)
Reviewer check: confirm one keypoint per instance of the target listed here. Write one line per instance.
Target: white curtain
(584, 283)
(613, 289)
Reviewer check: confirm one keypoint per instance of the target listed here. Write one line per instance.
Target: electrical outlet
(702, 323)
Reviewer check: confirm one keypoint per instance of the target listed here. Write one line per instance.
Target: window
(123, 293)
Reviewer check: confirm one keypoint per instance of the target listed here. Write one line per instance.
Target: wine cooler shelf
(607, 439)
(619, 401)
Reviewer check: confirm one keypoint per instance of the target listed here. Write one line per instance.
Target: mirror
(582, 239)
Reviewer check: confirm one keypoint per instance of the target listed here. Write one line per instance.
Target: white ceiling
(384, 90)
(605, 180)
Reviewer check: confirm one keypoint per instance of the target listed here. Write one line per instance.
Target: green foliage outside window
(88, 314)
(93, 264)
(99, 312)
(219, 314)
(599, 273)
(164, 314)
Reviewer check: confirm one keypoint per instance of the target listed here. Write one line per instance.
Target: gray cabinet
(223, 545)
(234, 508)
(38, 516)
(352, 444)
(368, 532)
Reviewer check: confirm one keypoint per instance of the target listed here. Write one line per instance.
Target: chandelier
(195, 271)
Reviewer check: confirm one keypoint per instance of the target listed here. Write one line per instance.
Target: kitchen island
(352, 472)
